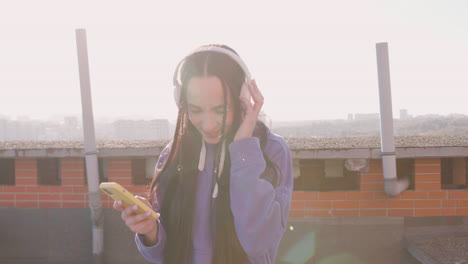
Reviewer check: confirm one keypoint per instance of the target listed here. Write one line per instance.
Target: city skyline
(311, 60)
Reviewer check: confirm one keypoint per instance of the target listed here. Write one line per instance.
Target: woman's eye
(195, 111)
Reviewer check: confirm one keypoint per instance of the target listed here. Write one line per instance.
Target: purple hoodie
(260, 209)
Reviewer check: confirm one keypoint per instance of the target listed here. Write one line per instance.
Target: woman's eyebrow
(192, 105)
(215, 107)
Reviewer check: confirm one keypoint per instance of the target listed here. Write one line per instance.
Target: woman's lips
(212, 136)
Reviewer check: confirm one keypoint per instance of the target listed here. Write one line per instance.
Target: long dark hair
(176, 184)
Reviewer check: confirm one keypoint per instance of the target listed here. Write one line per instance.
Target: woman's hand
(251, 113)
(139, 223)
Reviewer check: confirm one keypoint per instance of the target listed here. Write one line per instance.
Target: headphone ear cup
(245, 93)
(177, 95)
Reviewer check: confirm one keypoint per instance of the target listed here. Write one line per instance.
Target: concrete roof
(357, 147)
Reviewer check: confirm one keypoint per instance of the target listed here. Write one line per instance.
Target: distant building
(141, 130)
(404, 114)
(372, 116)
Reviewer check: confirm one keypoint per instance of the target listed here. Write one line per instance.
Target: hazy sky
(311, 59)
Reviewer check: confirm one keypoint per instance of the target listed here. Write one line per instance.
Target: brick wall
(427, 198)
(72, 193)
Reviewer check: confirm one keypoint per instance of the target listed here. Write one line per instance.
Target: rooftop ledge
(307, 148)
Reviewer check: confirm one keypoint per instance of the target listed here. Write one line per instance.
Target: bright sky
(311, 59)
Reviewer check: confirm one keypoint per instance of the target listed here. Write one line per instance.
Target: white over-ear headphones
(245, 93)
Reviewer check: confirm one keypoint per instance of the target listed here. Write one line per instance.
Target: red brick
(7, 203)
(345, 213)
(297, 204)
(345, 204)
(371, 178)
(49, 204)
(462, 203)
(438, 195)
(455, 194)
(318, 204)
(26, 181)
(106, 204)
(25, 166)
(38, 189)
(50, 196)
(14, 189)
(304, 195)
(359, 195)
(433, 161)
(414, 195)
(400, 212)
(384, 196)
(73, 174)
(427, 186)
(372, 186)
(373, 212)
(296, 213)
(427, 177)
(26, 196)
(373, 204)
(119, 174)
(427, 203)
(72, 181)
(124, 182)
(6, 197)
(72, 197)
(401, 204)
(462, 211)
(375, 170)
(80, 189)
(426, 169)
(62, 189)
(26, 204)
(332, 196)
(25, 174)
(66, 204)
(72, 166)
(318, 213)
(449, 203)
(427, 212)
(120, 166)
(449, 212)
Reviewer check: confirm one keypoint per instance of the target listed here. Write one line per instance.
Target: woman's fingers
(144, 226)
(256, 96)
(247, 103)
(130, 210)
(134, 219)
(118, 205)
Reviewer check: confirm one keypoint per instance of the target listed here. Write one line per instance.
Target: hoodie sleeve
(155, 253)
(260, 209)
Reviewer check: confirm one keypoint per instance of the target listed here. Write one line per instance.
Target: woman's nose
(209, 124)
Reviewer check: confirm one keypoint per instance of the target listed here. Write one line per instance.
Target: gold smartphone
(117, 192)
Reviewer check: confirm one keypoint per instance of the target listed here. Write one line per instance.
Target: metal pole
(95, 204)
(392, 186)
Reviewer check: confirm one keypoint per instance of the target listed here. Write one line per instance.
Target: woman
(223, 186)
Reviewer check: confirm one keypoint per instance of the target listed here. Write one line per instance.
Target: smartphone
(117, 192)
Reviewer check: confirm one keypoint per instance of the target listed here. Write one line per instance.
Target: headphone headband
(232, 55)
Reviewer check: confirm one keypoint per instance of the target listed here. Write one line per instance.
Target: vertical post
(392, 186)
(97, 217)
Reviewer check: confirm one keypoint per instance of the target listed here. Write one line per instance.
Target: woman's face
(205, 102)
